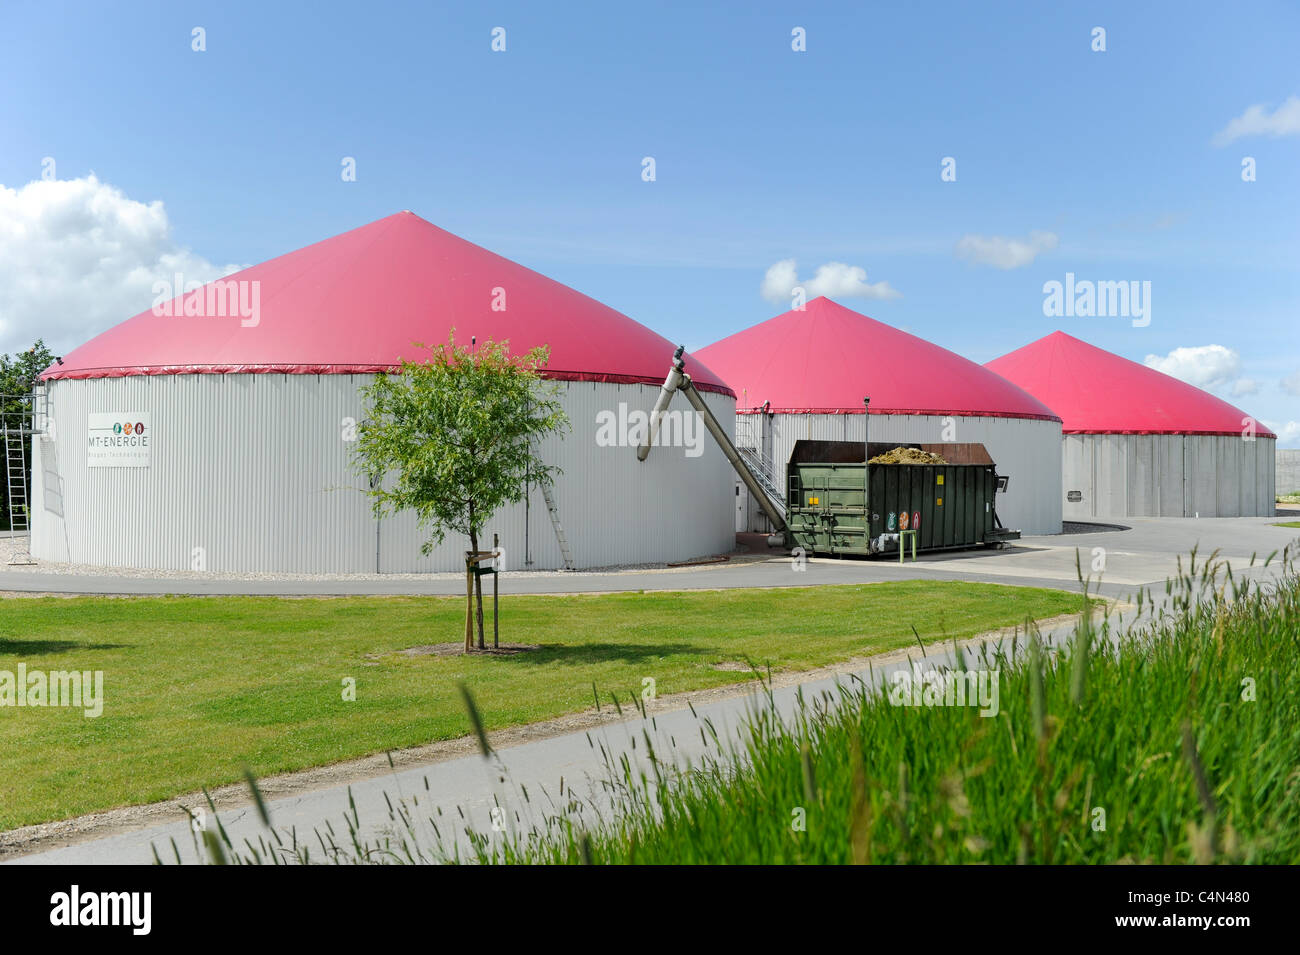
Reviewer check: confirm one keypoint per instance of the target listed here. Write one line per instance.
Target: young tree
(454, 438)
(18, 372)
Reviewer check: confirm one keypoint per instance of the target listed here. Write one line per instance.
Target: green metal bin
(950, 506)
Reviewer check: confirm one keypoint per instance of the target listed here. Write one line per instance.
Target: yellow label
(814, 501)
(939, 503)
(940, 478)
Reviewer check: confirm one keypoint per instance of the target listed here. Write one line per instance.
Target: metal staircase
(747, 445)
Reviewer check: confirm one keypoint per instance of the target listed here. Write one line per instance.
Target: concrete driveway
(1145, 553)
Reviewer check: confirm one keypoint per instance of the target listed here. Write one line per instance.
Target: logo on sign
(889, 524)
(916, 520)
(117, 439)
(902, 521)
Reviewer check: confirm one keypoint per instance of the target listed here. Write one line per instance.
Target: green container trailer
(950, 506)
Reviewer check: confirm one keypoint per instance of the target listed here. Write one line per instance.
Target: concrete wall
(1167, 475)
(1026, 450)
(1288, 471)
(254, 469)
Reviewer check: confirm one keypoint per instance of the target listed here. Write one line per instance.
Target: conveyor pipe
(678, 380)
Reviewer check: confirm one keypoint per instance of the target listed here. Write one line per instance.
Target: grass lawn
(1288, 524)
(196, 689)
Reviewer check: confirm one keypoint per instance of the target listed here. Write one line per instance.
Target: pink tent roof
(358, 302)
(1097, 392)
(826, 358)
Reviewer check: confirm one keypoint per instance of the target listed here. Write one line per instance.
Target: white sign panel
(118, 439)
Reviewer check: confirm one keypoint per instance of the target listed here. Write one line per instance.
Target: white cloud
(1205, 366)
(834, 280)
(1291, 385)
(1005, 253)
(1288, 433)
(78, 256)
(1256, 121)
(1244, 386)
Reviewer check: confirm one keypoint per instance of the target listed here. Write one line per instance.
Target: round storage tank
(1139, 443)
(804, 374)
(247, 394)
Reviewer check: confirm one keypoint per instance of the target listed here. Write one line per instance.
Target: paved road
(1143, 554)
(472, 785)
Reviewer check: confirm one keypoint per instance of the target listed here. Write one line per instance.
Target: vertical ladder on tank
(559, 528)
(15, 426)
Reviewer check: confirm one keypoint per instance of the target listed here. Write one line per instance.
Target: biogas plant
(248, 421)
(215, 431)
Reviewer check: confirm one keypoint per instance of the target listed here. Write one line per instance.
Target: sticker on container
(939, 503)
(889, 524)
(940, 481)
(916, 520)
(902, 521)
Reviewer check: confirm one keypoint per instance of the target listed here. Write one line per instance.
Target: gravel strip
(12, 546)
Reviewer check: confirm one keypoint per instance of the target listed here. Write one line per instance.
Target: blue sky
(762, 153)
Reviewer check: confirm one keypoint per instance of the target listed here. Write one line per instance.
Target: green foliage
(18, 372)
(454, 438)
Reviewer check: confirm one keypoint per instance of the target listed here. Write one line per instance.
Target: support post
(902, 545)
(469, 601)
(866, 471)
(496, 574)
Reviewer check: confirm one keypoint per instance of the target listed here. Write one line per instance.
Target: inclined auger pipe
(678, 380)
(671, 384)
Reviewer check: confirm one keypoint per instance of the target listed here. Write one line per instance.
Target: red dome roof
(358, 302)
(826, 358)
(1097, 392)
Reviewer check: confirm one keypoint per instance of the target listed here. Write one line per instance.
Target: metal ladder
(747, 447)
(16, 481)
(559, 528)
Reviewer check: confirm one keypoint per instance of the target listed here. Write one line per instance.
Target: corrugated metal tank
(1168, 475)
(1288, 471)
(251, 472)
(1140, 443)
(1027, 450)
